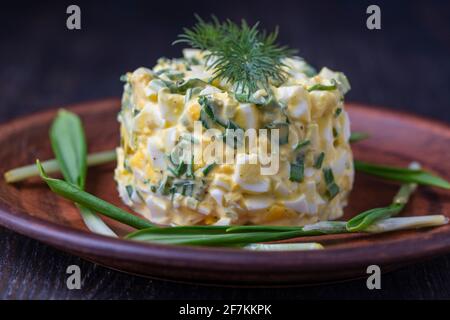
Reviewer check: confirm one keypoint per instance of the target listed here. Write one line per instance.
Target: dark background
(405, 66)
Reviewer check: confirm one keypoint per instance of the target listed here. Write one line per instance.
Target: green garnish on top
(243, 56)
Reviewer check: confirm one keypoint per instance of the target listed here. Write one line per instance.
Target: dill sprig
(242, 55)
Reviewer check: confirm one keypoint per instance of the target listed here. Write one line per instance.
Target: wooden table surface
(405, 65)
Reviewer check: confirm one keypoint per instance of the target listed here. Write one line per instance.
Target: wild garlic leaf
(69, 146)
(74, 193)
(402, 174)
(367, 218)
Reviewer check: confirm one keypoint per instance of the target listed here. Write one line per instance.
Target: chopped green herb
(165, 185)
(323, 87)
(328, 175)
(208, 168)
(179, 170)
(207, 114)
(333, 190)
(182, 168)
(206, 121)
(338, 112)
(302, 144)
(296, 173)
(260, 101)
(69, 146)
(129, 191)
(319, 160)
(172, 192)
(140, 196)
(183, 187)
(72, 192)
(332, 187)
(207, 107)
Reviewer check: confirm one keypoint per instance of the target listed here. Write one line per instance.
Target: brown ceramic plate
(396, 138)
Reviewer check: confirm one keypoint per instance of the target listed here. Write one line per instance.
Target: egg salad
(161, 108)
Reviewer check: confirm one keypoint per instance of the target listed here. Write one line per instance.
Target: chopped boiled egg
(160, 110)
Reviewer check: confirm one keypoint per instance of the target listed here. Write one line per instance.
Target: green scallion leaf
(129, 190)
(319, 160)
(365, 219)
(183, 87)
(323, 87)
(75, 194)
(208, 111)
(165, 185)
(402, 174)
(208, 239)
(190, 168)
(208, 168)
(332, 187)
(181, 169)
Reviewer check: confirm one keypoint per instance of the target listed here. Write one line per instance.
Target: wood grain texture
(32, 270)
(404, 66)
